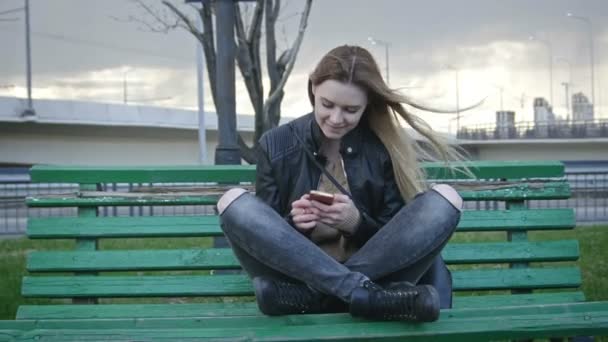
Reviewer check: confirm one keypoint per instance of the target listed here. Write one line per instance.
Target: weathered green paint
(9, 334)
(478, 325)
(71, 201)
(521, 191)
(270, 322)
(498, 170)
(516, 220)
(106, 227)
(208, 225)
(49, 312)
(142, 174)
(236, 285)
(137, 310)
(528, 278)
(201, 259)
(86, 244)
(133, 260)
(246, 173)
(501, 252)
(495, 301)
(516, 237)
(520, 236)
(529, 191)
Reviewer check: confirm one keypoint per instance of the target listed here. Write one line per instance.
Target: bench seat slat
(263, 321)
(208, 225)
(237, 285)
(48, 312)
(201, 259)
(142, 174)
(470, 325)
(523, 191)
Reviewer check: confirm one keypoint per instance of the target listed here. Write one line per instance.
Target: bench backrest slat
(246, 173)
(209, 258)
(240, 285)
(208, 225)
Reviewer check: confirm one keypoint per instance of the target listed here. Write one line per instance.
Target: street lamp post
(550, 49)
(125, 85)
(386, 46)
(562, 59)
(200, 69)
(29, 111)
(227, 150)
(567, 85)
(591, 57)
(501, 90)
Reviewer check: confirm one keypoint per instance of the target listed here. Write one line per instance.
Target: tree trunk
(267, 111)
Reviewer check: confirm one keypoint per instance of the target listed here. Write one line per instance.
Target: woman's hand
(303, 214)
(342, 214)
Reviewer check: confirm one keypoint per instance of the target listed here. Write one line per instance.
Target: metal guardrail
(589, 200)
(537, 130)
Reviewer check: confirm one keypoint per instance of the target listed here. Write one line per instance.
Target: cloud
(79, 51)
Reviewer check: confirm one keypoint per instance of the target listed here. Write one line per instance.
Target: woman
(366, 252)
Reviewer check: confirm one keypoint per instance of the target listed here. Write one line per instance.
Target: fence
(589, 200)
(537, 130)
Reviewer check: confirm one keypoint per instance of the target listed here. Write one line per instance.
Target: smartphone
(320, 196)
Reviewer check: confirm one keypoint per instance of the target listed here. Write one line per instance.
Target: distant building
(543, 117)
(543, 112)
(582, 109)
(505, 124)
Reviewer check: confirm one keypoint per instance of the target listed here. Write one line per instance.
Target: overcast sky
(82, 50)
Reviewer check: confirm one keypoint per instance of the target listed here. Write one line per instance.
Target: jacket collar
(350, 144)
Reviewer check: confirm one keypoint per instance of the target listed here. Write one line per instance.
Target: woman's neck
(330, 148)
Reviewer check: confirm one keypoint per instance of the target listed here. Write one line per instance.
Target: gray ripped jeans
(407, 248)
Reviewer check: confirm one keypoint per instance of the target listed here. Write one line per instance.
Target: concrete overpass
(86, 133)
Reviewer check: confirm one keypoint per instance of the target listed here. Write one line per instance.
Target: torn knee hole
(228, 197)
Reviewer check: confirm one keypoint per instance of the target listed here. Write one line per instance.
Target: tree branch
(205, 38)
(271, 50)
(162, 24)
(255, 27)
(246, 64)
(247, 153)
(191, 27)
(293, 52)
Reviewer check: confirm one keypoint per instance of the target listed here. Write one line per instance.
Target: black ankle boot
(276, 297)
(401, 302)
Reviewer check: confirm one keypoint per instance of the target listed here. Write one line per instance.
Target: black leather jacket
(285, 172)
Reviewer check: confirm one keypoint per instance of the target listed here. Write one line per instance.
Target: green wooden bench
(514, 288)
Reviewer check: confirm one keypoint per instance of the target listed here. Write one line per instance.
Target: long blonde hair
(353, 64)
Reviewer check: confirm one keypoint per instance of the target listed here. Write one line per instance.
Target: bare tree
(267, 106)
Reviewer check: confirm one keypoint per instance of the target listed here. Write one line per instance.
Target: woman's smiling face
(338, 107)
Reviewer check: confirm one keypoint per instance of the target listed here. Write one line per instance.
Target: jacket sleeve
(392, 203)
(266, 187)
